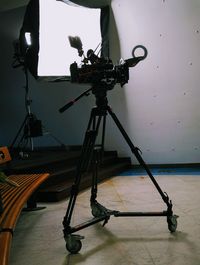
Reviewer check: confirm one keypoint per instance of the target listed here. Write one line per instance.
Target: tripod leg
(97, 160)
(84, 162)
(103, 135)
(135, 151)
(98, 210)
(18, 133)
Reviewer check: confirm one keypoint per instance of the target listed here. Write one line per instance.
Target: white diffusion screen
(59, 20)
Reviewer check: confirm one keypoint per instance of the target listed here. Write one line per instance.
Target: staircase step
(61, 164)
(41, 161)
(61, 190)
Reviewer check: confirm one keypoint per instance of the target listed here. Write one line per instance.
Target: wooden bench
(14, 199)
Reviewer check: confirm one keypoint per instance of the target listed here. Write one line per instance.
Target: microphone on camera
(76, 43)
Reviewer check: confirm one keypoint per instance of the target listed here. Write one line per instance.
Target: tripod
(99, 212)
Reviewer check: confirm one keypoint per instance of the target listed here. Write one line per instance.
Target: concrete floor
(38, 238)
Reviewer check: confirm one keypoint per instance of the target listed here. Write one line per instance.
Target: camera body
(100, 71)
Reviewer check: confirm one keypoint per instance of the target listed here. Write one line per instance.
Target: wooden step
(61, 190)
(61, 164)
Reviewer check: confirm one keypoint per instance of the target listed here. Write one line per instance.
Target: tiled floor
(38, 238)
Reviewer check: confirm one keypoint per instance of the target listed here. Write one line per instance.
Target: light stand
(31, 126)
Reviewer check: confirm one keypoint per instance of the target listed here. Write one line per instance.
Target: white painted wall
(163, 94)
(159, 107)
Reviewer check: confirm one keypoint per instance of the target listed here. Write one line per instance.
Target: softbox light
(49, 23)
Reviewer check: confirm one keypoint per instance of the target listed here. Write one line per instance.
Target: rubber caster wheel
(172, 223)
(75, 247)
(73, 243)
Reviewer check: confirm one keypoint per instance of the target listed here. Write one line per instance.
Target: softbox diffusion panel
(50, 23)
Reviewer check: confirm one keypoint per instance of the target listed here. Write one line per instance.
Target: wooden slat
(5, 244)
(4, 155)
(8, 193)
(21, 200)
(13, 201)
(23, 181)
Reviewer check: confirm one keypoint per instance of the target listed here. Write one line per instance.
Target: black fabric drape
(31, 24)
(105, 17)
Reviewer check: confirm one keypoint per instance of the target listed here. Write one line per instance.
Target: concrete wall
(159, 107)
(162, 97)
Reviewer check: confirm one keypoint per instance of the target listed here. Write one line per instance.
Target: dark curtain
(31, 24)
(105, 16)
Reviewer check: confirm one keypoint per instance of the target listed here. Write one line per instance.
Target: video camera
(99, 70)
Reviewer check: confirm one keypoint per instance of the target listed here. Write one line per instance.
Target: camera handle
(72, 102)
(136, 59)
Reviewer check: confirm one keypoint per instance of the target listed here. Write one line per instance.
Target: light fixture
(28, 38)
(44, 39)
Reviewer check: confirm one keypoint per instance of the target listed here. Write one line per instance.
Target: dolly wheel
(172, 223)
(75, 247)
(73, 243)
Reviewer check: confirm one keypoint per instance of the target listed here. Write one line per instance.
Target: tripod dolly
(99, 212)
